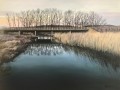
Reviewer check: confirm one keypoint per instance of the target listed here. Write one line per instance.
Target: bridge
(43, 32)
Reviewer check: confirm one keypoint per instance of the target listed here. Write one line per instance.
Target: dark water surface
(59, 67)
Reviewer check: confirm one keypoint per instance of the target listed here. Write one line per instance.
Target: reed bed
(10, 46)
(100, 41)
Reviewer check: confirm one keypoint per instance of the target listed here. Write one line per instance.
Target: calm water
(58, 67)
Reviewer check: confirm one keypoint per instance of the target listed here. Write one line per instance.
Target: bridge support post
(35, 33)
(51, 38)
(19, 33)
(51, 35)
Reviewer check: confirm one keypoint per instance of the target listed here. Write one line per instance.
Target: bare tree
(60, 16)
(47, 17)
(30, 18)
(18, 19)
(38, 14)
(68, 17)
(54, 17)
(22, 18)
(8, 19)
(78, 19)
(95, 19)
(14, 19)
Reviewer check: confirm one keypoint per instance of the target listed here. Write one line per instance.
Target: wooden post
(35, 33)
(51, 35)
(36, 39)
(19, 33)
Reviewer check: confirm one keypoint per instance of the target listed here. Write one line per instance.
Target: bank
(107, 42)
(11, 46)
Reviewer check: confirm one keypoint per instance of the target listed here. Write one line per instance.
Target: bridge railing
(46, 28)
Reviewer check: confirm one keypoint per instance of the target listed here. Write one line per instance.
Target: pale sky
(110, 9)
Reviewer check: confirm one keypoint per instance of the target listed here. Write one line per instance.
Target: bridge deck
(37, 31)
(46, 29)
(81, 30)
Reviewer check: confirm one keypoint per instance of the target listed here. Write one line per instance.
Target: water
(59, 67)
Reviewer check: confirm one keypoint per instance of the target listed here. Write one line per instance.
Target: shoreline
(12, 46)
(106, 42)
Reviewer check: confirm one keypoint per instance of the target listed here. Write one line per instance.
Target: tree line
(35, 18)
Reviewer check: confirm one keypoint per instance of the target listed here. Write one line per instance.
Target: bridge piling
(19, 33)
(35, 33)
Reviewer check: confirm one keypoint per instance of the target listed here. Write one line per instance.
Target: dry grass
(106, 42)
(10, 46)
(1, 31)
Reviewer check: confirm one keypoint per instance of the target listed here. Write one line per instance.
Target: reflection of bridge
(44, 49)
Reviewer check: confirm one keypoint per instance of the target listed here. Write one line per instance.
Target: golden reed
(101, 41)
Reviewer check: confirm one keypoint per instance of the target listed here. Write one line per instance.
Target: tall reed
(106, 41)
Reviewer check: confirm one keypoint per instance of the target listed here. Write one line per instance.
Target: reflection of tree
(105, 59)
(44, 49)
(4, 70)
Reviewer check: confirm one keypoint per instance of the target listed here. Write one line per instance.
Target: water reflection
(61, 67)
(105, 59)
(5, 70)
(44, 49)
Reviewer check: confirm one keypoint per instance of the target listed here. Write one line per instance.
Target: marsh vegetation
(100, 41)
(10, 46)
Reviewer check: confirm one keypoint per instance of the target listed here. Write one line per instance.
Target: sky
(109, 9)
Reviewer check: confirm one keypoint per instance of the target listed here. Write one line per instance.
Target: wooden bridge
(42, 31)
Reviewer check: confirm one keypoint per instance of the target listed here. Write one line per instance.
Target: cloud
(87, 5)
(100, 6)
